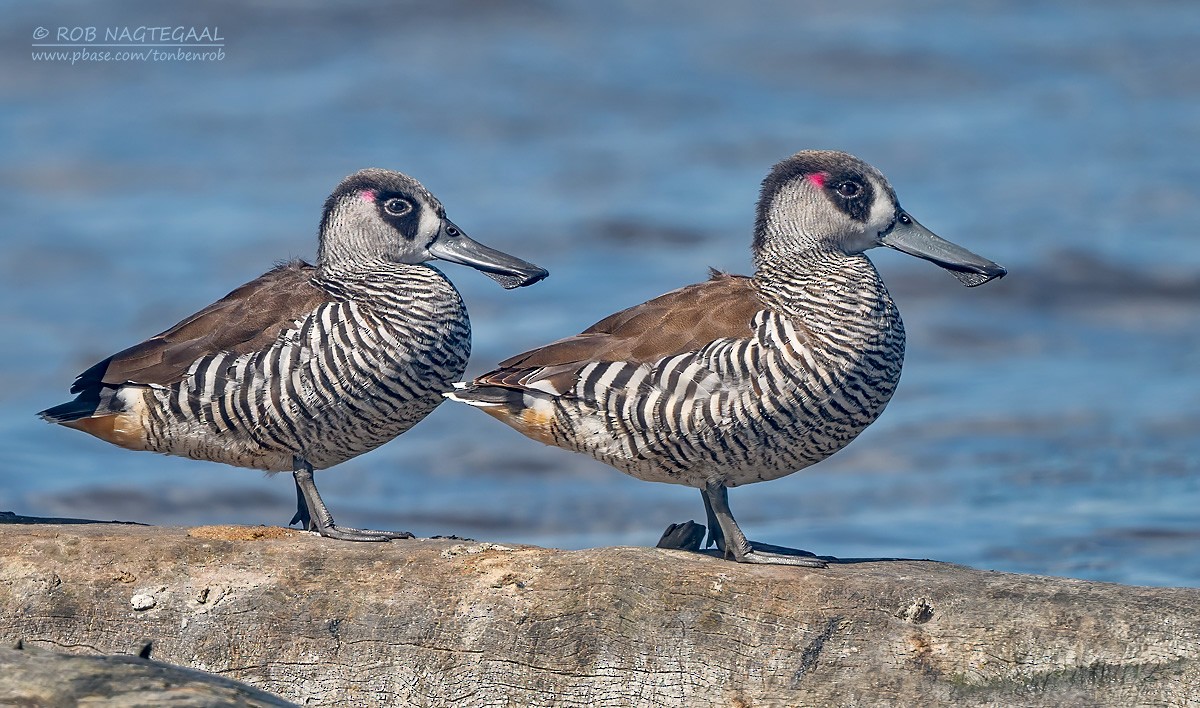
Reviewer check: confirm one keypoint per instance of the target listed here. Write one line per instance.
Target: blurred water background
(1046, 423)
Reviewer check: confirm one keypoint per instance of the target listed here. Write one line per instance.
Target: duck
(308, 365)
(740, 379)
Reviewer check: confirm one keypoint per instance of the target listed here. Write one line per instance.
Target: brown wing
(683, 320)
(247, 319)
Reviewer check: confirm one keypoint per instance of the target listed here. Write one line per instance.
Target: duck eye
(849, 189)
(397, 207)
(904, 218)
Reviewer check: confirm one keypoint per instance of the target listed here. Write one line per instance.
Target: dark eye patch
(401, 212)
(852, 195)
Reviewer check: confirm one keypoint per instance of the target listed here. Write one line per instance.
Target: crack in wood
(812, 653)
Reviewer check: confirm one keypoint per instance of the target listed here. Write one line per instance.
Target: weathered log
(448, 622)
(36, 677)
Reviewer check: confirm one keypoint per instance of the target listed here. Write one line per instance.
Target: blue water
(1046, 423)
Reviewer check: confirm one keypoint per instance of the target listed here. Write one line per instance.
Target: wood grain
(439, 623)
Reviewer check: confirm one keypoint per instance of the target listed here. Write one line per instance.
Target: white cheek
(882, 212)
(430, 224)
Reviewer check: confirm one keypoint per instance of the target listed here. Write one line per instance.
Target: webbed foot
(685, 537)
(313, 515)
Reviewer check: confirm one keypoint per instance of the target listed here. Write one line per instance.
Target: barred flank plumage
(792, 390)
(365, 364)
(360, 369)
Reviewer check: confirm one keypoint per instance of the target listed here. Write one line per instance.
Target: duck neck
(825, 288)
(345, 269)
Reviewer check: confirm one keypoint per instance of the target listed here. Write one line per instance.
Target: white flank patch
(541, 406)
(131, 399)
(478, 404)
(545, 386)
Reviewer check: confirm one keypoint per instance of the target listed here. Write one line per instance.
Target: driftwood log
(451, 622)
(36, 677)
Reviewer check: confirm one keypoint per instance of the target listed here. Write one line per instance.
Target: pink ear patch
(368, 195)
(818, 179)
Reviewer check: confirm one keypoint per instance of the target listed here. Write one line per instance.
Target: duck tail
(485, 396)
(82, 407)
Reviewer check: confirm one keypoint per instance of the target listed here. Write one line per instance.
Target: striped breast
(799, 374)
(365, 365)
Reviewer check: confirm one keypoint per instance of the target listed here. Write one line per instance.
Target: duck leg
(302, 517)
(724, 531)
(715, 536)
(312, 513)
